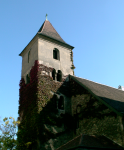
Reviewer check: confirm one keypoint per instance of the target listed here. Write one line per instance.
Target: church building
(58, 110)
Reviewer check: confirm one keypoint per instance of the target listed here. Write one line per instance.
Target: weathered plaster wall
(45, 56)
(33, 48)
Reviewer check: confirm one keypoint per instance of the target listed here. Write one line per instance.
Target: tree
(8, 133)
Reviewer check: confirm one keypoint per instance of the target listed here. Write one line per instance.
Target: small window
(55, 101)
(61, 103)
(29, 56)
(78, 109)
(54, 74)
(59, 76)
(56, 54)
(76, 121)
(27, 79)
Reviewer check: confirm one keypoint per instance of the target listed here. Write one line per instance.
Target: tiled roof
(112, 96)
(48, 30)
(90, 141)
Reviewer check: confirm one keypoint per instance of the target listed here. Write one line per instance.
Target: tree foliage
(8, 132)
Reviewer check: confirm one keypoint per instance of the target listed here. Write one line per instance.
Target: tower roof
(48, 30)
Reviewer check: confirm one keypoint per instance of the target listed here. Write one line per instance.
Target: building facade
(54, 105)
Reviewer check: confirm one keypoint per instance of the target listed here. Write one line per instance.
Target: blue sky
(94, 27)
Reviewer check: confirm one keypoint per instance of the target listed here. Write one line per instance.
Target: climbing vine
(94, 118)
(72, 67)
(36, 107)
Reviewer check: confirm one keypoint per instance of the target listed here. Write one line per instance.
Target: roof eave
(27, 45)
(56, 40)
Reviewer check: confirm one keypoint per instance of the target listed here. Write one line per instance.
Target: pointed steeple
(48, 30)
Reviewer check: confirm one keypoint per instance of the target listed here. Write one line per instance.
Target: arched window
(29, 55)
(59, 75)
(61, 103)
(78, 109)
(76, 121)
(55, 101)
(56, 54)
(27, 79)
(54, 74)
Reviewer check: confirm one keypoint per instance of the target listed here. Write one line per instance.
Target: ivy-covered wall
(92, 116)
(42, 127)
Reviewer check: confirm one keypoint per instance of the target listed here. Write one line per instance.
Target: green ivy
(36, 103)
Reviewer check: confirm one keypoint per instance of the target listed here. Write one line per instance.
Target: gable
(92, 115)
(111, 97)
(90, 142)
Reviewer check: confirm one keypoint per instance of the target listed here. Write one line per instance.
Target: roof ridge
(69, 141)
(43, 26)
(98, 83)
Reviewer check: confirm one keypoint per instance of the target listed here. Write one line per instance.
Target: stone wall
(56, 132)
(42, 123)
(92, 116)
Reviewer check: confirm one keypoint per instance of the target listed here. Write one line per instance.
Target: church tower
(47, 60)
(55, 106)
(50, 50)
